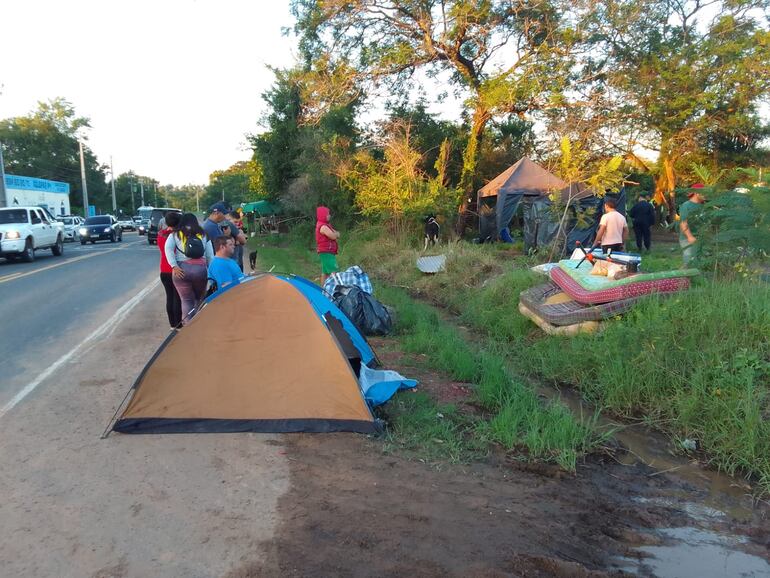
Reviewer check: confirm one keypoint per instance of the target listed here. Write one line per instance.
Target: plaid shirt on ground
(352, 277)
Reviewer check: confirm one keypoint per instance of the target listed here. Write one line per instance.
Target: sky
(172, 87)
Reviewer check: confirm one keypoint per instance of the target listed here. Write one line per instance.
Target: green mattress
(590, 282)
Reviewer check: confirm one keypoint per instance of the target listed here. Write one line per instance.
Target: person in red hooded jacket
(326, 242)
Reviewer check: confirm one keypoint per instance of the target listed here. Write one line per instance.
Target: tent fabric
(525, 177)
(521, 182)
(210, 377)
(323, 306)
(261, 207)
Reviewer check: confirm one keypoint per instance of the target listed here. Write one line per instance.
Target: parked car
(127, 224)
(23, 230)
(100, 228)
(155, 217)
(72, 224)
(142, 227)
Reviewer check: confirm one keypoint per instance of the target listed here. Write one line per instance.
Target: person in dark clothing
(643, 216)
(173, 302)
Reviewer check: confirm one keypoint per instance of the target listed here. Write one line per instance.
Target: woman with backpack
(189, 253)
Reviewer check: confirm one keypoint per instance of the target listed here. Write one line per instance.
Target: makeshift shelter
(273, 354)
(498, 200)
(260, 207)
(528, 184)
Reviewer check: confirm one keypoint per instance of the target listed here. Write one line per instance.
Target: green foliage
(394, 188)
(242, 182)
(696, 364)
(519, 419)
(277, 148)
(688, 76)
(44, 144)
(733, 234)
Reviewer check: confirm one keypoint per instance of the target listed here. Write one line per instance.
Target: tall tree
(508, 56)
(690, 74)
(44, 144)
(240, 183)
(277, 148)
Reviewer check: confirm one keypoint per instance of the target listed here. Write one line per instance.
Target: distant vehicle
(142, 227)
(155, 217)
(127, 224)
(71, 225)
(23, 230)
(100, 228)
(137, 219)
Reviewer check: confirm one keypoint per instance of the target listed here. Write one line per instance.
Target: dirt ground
(356, 510)
(343, 505)
(127, 506)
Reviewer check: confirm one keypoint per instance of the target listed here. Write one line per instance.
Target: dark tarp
(541, 224)
(504, 193)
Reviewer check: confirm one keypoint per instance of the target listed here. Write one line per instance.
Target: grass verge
(696, 365)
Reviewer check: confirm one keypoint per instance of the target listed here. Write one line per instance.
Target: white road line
(119, 315)
(13, 276)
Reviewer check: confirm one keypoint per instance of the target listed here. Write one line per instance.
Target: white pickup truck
(23, 230)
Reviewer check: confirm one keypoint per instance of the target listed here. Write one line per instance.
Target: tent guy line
(119, 316)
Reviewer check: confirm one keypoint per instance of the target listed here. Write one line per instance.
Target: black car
(100, 228)
(155, 217)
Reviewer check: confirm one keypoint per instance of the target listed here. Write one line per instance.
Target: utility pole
(133, 203)
(141, 187)
(83, 178)
(114, 202)
(197, 200)
(155, 193)
(3, 200)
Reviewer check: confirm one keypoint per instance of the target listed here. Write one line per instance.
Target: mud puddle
(720, 508)
(695, 552)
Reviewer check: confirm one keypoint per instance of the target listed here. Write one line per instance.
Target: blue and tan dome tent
(272, 354)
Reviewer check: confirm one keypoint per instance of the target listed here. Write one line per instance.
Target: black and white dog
(431, 231)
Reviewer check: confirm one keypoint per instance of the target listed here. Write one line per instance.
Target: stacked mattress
(576, 301)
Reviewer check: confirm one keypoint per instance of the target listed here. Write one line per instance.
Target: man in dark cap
(212, 225)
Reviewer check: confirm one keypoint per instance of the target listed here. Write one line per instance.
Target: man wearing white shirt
(613, 229)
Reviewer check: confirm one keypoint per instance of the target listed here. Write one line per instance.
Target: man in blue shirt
(222, 267)
(213, 225)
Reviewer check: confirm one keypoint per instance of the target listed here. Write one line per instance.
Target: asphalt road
(49, 306)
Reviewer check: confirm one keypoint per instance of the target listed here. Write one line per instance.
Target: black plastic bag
(368, 315)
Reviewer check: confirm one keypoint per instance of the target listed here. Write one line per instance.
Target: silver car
(72, 224)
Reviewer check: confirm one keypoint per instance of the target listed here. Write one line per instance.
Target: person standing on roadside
(189, 253)
(214, 224)
(239, 237)
(173, 302)
(326, 242)
(690, 208)
(643, 215)
(613, 229)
